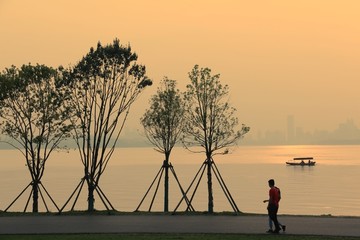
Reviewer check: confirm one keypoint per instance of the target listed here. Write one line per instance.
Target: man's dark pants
(272, 211)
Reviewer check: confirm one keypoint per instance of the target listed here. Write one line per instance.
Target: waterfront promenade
(147, 223)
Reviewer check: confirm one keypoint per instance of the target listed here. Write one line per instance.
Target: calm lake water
(330, 187)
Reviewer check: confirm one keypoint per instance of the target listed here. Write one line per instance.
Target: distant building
(290, 129)
(346, 133)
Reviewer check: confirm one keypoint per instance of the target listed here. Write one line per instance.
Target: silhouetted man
(273, 204)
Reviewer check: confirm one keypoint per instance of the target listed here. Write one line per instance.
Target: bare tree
(163, 124)
(211, 123)
(34, 115)
(105, 83)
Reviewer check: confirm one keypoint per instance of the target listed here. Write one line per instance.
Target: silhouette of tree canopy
(104, 85)
(163, 124)
(34, 114)
(210, 120)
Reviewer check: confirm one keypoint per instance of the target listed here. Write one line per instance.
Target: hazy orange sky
(279, 58)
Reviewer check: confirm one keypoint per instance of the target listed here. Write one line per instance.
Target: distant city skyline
(346, 133)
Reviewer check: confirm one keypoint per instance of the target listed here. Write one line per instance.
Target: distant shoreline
(4, 146)
(158, 213)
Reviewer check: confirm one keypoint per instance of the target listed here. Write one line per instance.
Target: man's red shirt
(274, 194)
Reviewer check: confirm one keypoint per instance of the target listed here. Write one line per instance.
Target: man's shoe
(269, 231)
(283, 228)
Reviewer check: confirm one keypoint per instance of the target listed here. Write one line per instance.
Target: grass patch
(169, 237)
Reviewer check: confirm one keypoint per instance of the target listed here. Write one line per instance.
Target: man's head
(271, 182)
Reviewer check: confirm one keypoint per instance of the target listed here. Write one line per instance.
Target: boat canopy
(304, 158)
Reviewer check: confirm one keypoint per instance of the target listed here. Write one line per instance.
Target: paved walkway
(334, 226)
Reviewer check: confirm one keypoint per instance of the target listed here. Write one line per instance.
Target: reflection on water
(330, 187)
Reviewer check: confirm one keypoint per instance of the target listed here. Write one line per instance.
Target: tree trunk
(35, 187)
(91, 199)
(210, 191)
(166, 185)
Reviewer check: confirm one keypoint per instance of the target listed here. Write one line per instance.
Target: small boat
(303, 161)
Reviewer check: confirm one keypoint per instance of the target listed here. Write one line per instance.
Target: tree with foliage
(211, 122)
(104, 85)
(163, 124)
(34, 115)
